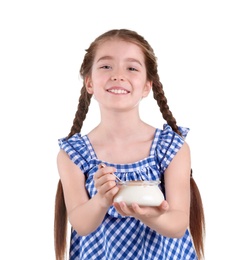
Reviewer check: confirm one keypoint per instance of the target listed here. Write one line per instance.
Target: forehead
(119, 49)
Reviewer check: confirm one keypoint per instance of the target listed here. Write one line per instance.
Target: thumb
(164, 205)
(102, 165)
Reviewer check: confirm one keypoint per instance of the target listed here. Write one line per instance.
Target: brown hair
(197, 221)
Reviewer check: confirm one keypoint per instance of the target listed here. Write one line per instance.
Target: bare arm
(85, 214)
(171, 218)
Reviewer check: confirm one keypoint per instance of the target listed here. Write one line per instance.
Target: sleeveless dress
(126, 238)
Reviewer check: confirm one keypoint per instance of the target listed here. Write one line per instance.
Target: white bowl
(144, 193)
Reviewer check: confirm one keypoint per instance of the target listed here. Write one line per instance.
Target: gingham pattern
(121, 237)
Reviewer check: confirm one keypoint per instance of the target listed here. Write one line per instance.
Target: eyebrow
(127, 59)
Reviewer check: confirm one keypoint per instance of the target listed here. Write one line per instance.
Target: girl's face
(118, 78)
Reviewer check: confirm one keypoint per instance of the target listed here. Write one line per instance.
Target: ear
(147, 88)
(89, 85)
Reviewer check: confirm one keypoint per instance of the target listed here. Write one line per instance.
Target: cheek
(99, 80)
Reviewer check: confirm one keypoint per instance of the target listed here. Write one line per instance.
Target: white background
(203, 57)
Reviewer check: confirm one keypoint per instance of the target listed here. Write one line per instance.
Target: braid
(162, 102)
(197, 218)
(80, 115)
(61, 219)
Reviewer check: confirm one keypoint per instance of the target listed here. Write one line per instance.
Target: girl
(120, 69)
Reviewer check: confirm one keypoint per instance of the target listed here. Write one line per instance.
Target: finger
(108, 186)
(106, 169)
(102, 165)
(104, 184)
(164, 206)
(118, 208)
(123, 208)
(103, 171)
(137, 209)
(111, 192)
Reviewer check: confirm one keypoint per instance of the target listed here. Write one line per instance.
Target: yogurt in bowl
(144, 193)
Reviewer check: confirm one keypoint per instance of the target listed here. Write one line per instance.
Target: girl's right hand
(104, 182)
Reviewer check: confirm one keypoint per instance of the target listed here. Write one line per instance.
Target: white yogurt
(144, 193)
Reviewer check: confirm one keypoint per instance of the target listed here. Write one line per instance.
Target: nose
(116, 78)
(117, 75)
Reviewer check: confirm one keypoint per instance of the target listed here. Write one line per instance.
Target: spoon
(103, 166)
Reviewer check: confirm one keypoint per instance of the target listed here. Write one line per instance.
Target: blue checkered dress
(127, 238)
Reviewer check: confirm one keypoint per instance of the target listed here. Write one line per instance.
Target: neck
(121, 124)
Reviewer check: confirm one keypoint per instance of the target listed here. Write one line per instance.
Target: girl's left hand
(141, 212)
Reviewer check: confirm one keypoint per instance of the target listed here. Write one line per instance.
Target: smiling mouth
(118, 91)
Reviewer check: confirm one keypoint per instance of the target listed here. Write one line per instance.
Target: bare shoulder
(185, 149)
(66, 165)
(181, 161)
(62, 159)
(62, 156)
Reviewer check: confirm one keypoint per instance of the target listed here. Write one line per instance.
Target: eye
(132, 69)
(106, 67)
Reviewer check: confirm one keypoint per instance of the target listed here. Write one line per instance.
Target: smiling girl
(120, 69)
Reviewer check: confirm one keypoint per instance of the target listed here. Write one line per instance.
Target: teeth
(118, 91)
